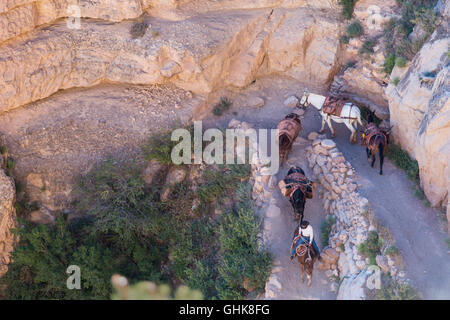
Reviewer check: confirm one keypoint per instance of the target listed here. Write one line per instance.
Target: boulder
(329, 144)
(382, 262)
(255, 102)
(291, 102)
(174, 176)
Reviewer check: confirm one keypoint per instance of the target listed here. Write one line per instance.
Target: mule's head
(304, 101)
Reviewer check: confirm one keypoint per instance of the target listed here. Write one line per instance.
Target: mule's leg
(381, 159)
(322, 129)
(368, 153)
(302, 269)
(309, 276)
(331, 127)
(373, 160)
(349, 125)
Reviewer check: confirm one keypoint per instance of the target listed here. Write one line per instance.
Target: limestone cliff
(7, 219)
(420, 112)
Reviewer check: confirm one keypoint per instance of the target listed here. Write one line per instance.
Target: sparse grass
(367, 47)
(371, 247)
(400, 62)
(402, 160)
(395, 81)
(222, 106)
(138, 30)
(393, 290)
(325, 229)
(392, 251)
(354, 29)
(2, 150)
(347, 8)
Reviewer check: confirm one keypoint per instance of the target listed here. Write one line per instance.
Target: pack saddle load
(288, 130)
(295, 181)
(333, 106)
(370, 131)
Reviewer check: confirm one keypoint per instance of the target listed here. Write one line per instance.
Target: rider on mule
(305, 236)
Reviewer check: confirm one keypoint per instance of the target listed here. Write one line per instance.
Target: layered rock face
(364, 82)
(7, 219)
(420, 112)
(196, 54)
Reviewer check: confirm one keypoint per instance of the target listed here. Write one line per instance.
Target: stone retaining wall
(353, 223)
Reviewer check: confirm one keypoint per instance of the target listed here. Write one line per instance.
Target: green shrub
(395, 81)
(402, 160)
(371, 247)
(347, 8)
(426, 18)
(2, 150)
(325, 228)
(344, 39)
(393, 290)
(389, 64)
(355, 29)
(392, 251)
(240, 256)
(124, 228)
(159, 147)
(400, 62)
(367, 47)
(138, 30)
(222, 106)
(350, 64)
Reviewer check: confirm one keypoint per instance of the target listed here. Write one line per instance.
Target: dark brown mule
(297, 187)
(375, 140)
(288, 130)
(306, 257)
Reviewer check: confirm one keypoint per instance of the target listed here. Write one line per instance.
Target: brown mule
(306, 257)
(288, 130)
(375, 140)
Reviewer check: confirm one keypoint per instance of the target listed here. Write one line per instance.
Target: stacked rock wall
(350, 211)
(7, 219)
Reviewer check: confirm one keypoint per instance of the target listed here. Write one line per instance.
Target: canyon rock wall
(196, 54)
(7, 219)
(420, 112)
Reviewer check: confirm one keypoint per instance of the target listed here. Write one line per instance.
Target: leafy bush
(355, 29)
(400, 62)
(389, 64)
(138, 30)
(347, 8)
(159, 147)
(395, 81)
(222, 106)
(125, 229)
(371, 247)
(240, 257)
(344, 39)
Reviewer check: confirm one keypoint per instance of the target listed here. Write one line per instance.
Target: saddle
(301, 248)
(369, 132)
(289, 126)
(333, 106)
(295, 181)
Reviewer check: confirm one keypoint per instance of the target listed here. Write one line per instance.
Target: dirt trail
(391, 196)
(283, 227)
(417, 229)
